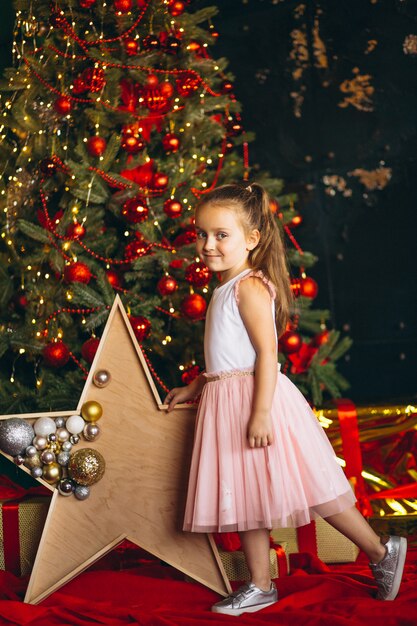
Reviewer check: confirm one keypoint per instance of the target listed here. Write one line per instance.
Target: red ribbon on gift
(281, 560)
(349, 431)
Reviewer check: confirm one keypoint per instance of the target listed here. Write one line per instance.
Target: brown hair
(253, 203)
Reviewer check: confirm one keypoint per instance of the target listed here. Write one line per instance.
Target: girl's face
(222, 242)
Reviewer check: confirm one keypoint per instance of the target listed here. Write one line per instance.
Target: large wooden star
(142, 494)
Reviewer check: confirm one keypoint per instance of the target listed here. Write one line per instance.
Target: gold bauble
(91, 411)
(86, 466)
(52, 473)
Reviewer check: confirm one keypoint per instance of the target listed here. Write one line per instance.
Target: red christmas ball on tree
(194, 306)
(62, 105)
(77, 273)
(86, 4)
(75, 231)
(190, 374)
(136, 248)
(141, 327)
(132, 144)
(198, 274)
(309, 288)
(290, 342)
(187, 86)
(319, 339)
(160, 180)
(185, 238)
(131, 46)
(94, 78)
(56, 354)
(123, 6)
(96, 145)
(171, 142)
(152, 80)
(166, 89)
(176, 7)
(114, 278)
(172, 208)
(89, 349)
(135, 210)
(167, 285)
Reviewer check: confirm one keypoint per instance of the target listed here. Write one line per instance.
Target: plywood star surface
(141, 496)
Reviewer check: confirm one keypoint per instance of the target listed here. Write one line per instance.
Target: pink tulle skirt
(233, 487)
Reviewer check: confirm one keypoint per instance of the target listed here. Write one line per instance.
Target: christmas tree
(116, 119)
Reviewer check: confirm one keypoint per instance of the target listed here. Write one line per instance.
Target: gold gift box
(235, 566)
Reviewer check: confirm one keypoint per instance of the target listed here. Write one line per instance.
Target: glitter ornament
(86, 466)
(89, 349)
(75, 424)
(194, 306)
(44, 426)
(141, 327)
(82, 492)
(94, 78)
(56, 354)
(96, 146)
(91, 411)
(66, 487)
(101, 378)
(63, 457)
(198, 274)
(91, 431)
(135, 210)
(77, 273)
(33, 461)
(52, 473)
(167, 285)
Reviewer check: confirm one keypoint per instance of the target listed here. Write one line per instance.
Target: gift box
(22, 518)
(320, 539)
(401, 525)
(234, 563)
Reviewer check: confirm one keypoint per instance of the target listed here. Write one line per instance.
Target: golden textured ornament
(52, 473)
(86, 466)
(91, 411)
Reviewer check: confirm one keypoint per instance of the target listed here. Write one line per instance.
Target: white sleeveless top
(226, 341)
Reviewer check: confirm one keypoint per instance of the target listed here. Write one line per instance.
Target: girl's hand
(260, 432)
(178, 395)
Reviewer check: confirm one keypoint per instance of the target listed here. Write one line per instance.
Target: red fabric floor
(152, 594)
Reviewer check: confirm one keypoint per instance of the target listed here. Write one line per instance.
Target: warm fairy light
(46, 276)
(204, 184)
(66, 245)
(41, 301)
(22, 351)
(12, 379)
(156, 223)
(69, 295)
(181, 367)
(33, 321)
(172, 310)
(126, 233)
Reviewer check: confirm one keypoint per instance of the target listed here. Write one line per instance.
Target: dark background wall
(366, 241)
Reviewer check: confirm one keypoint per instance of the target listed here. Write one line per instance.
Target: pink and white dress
(233, 487)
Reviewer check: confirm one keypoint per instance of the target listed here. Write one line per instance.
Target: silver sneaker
(389, 571)
(246, 599)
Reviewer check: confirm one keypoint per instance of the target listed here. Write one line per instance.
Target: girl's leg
(255, 544)
(354, 526)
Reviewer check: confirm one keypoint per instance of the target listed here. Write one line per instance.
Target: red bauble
(151, 42)
(123, 6)
(309, 288)
(187, 86)
(135, 210)
(173, 208)
(62, 105)
(177, 264)
(114, 278)
(171, 142)
(56, 354)
(132, 144)
(94, 78)
(77, 273)
(184, 239)
(194, 46)
(160, 180)
(167, 285)
(89, 349)
(166, 89)
(141, 327)
(320, 339)
(296, 221)
(155, 100)
(131, 46)
(20, 300)
(194, 306)
(152, 80)
(190, 374)
(79, 86)
(86, 4)
(273, 205)
(96, 145)
(177, 7)
(290, 342)
(47, 167)
(75, 231)
(198, 274)
(136, 248)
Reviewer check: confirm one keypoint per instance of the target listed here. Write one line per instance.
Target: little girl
(260, 459)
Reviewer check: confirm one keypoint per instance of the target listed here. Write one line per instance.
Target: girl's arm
(184, 394)
(255, 310)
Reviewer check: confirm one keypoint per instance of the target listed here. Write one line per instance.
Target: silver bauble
(101, 378)
(82, 492)
(31, 451)
(40, 442)
(66, 446)
(60, 422)
(63, 457)
(62, 434)
(16, 434)
(36, 472)
(48, 457)
(91, 431)
(74, 439)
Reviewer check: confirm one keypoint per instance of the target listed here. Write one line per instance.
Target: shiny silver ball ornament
(47, 457)
(62, 434)
(60, 422)
(44, 426)
(16, 434)
(52, 437)
(101, 378)
(91, 431)
(31, 451)
(19, 459)
(74, 439)
(66, 487)
(63, 457)
(36, 472)
(82, 492)
(66, 446)
(40, 442)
